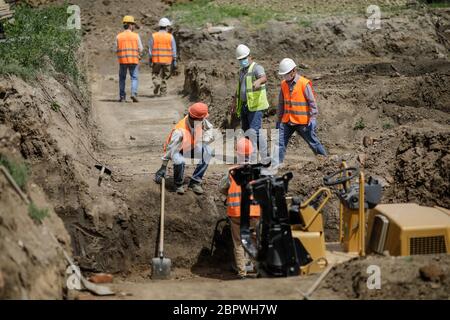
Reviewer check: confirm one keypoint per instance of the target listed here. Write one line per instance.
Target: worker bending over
(129, 49)
(163, 55)
(232, 190)
(189, 138)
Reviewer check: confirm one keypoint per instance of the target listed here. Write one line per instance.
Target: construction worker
(250, 100)
(163, 55)
(297, 110)
(232, 190)
(129, 49)
(189, 138)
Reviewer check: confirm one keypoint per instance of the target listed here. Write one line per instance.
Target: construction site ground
(388, 88)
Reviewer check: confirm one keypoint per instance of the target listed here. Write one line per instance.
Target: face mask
(244, 63)
(289, 77)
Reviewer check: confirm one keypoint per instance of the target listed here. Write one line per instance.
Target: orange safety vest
(128, 47)
(234, 201)
(296, 109)
(189, 140)
(162, 51)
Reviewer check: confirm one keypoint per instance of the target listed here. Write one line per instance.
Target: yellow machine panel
(408, 229)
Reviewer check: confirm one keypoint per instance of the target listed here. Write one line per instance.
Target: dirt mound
(423, 168)
(401, 278)
(32, 265)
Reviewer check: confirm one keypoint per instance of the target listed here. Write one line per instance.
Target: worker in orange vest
(129, 49)
(163, 55)
(297, 111)
(189, 138)
(232, 190)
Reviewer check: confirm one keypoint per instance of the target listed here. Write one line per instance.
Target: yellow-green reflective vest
(256, 99)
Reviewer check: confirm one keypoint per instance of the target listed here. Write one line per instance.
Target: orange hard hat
(244, 147)
(198, 110)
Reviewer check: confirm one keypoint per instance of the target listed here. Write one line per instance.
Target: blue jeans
(251, 123)
(307, 132)
(134, 74)
(202, 153)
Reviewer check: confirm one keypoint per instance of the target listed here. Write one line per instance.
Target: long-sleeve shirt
(309, 95)
(176, 140)
(174, 46)
(140, 46)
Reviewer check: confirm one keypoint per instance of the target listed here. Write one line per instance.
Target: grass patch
(39, 40)
(359, 125)
(37, 214)
(199, 12)
(18, 170)
(437, 4)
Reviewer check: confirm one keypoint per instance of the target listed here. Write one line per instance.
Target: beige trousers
(160, 74)
(239, 252)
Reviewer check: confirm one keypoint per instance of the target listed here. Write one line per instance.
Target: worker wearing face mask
(297, 110)
(250, 101)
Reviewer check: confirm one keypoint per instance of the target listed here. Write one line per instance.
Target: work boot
(122, 99)
(134, 98)
(196, 187)
(180, 190)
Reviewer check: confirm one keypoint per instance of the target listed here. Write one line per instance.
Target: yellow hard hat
(128, 19)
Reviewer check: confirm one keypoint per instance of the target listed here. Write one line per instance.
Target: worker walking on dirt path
(129, 50)
(190, 138)
(250, 100)
(163, 56)
(297, 110)
(232, 190)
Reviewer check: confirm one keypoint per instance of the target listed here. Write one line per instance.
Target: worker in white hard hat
(297, 110)
(163, 56)
(129, 49)
(250, 100)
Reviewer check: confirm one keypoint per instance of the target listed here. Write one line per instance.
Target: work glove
(160, 174)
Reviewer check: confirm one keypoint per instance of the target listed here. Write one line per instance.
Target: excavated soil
(393, 82)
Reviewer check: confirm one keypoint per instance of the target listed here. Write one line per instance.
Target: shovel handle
(161, 228)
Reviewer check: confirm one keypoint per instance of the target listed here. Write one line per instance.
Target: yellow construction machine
(400, 229)
(290, 238)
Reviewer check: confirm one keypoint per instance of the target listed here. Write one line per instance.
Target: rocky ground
(384, 105)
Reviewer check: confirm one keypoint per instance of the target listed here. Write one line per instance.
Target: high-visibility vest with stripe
(162, 51)
(256, 99)
(189, 140)
(296, 109)
(234, 201)
(128, 47)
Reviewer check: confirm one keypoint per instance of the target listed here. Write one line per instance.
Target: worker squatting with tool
(190, 138)
(162, 53)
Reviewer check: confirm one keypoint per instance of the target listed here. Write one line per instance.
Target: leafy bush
(39, 40)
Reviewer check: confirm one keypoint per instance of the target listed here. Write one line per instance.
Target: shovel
(103, 170)
(160, 265)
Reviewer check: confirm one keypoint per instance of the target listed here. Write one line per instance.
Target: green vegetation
(199, 12)
(37, 214)
(37, 41)
(437, 4)
(387, 125)
(55, 106)
(18, 171)
(359, 125)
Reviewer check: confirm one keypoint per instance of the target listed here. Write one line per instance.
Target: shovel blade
(161, 268)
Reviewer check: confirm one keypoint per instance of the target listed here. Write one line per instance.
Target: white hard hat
(286, 66)
(164, 22)
(242, 51)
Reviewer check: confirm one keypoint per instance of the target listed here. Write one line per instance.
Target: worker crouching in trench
(232, 190)
(190, 138)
